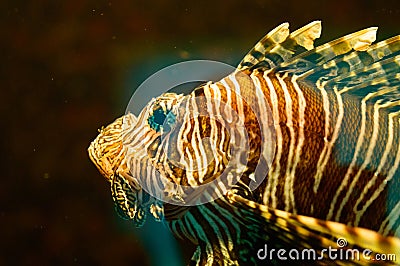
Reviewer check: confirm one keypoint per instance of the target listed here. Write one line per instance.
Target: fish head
(108, 154)
(186, 147)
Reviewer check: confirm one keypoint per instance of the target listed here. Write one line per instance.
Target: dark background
(69, 67)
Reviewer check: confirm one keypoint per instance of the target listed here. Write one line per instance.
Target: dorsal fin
(346, 63)
(372, 74)
(379, 83)
(275, 36)
(358, 41)
(385, 72)
(278, 46)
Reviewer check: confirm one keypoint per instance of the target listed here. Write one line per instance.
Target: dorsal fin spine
(278, 46)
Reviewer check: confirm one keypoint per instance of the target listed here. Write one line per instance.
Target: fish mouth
(102, 165)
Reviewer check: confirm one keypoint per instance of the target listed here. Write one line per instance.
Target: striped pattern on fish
(326, 117)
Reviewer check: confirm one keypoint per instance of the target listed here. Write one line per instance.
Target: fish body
(297, 148)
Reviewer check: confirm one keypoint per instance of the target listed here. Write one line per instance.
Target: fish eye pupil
(159, 116)
(156, 121)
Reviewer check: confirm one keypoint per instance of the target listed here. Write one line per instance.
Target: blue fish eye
(159, 116)
(161, 119)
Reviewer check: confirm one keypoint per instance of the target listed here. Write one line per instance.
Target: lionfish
(324, 121)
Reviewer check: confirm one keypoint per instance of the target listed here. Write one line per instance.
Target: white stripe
(389, 143)
(196, 138)
(185, 227)
(207, 214)
(200, 152)
(166, 169)
(236, 136)
(213, 109)
(228, 104)
(213, 222)
(367, 157)
(334, 138)
(273, 177)
(239, 99)
(189, 171)
(397, 232)
(200, 233)
(240, 116)
(183, 134)
(299, 147)
(390, 175)
(390, 221)
(327, 150)
(267, 140)
(226, 213)
(359, 144)
(288, 188)
(218, 99)
(227, 113)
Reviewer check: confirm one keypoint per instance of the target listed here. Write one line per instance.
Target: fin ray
(346, 63)
(358, 41)
(309, 232)
(278, 46)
